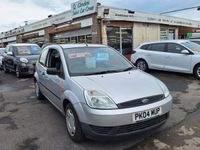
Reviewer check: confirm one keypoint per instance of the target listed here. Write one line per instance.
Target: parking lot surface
(29, 124)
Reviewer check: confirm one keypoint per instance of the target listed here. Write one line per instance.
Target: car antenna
(86, 44)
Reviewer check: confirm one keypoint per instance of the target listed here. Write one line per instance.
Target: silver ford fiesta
(100, 93)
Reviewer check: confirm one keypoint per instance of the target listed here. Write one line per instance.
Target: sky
(13, 13)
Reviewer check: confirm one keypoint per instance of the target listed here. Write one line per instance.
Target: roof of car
(167, 41)
(22, 44)
(194, 39)
(80, 45)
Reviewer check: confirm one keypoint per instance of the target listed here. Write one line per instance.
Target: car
(100, 93)
(172, 55)
(1, 57)
(21, 58)
(195, 41)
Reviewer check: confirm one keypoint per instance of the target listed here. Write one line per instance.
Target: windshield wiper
(103, 72)
(128, 69)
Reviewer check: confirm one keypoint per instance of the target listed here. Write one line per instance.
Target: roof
(22, 44)
(167, 41)
(80, 45)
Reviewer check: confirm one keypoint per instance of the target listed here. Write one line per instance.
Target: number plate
(143, 115)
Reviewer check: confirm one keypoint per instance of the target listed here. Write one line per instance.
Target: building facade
(90, 22)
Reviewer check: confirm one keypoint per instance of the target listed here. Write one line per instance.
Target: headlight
(23, 60)
(98, 100)
(164, 88)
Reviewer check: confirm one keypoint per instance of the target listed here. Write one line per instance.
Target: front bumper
(120, 121)
(27, 69)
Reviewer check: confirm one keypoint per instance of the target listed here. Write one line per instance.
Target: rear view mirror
(53, 71)
(186, 52)
(10, 53)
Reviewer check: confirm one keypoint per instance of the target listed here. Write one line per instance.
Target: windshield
(95, 60)
(193, 46)
(27, 50)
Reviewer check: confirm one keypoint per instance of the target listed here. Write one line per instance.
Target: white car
(174, 55)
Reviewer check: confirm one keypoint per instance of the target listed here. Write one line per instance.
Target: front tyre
(4, 68)
(73, 125)
(38, 93)
(197, 71)
(17, 72)
(142, 65)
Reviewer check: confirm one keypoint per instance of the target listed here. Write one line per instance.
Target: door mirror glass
(53, 71)
(10, 53)
(185, 52)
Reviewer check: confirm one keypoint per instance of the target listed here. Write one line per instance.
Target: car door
(41, 71)
(175, 60)
(155, 55)
(10, 58)
(55, 82)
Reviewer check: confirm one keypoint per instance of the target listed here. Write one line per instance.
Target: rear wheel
(73, 125)
(4, 68)
(197, 71)
(142, 65)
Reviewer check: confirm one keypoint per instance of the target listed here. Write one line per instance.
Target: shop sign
(83, 8)
(14, 32)
(150, 18)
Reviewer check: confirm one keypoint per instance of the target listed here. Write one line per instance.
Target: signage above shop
(83, 8)
(124, 15)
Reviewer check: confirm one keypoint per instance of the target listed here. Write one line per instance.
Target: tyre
(73, 125)
(5, 69)
(142, 65)
(38, 93)
(17, 72)
(197, 71)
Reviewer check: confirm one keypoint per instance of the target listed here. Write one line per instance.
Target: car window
(144, 47)
(28, 50)
(54, 61)
(192, 46)
(94, 60)
(174, 48)
(43, 57)
(159, 47)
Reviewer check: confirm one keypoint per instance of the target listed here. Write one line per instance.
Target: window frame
(45, 49)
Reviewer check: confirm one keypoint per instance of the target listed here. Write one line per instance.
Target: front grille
(140, 102)
(129, 128)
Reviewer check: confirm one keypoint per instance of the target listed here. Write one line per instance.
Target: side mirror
(52, 71)
(10, 53)
(186, 52)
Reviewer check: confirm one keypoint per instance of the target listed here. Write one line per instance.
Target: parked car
(195, 41)
(1, 57)
(100, 92)
(176, 55)
(21, 58)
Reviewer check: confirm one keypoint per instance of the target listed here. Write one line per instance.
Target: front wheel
(38, 93)
(4, 68)
(17, 72)
(142, 65)
(197, 71)
(73, 125)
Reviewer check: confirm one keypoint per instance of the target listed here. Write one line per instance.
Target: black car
(20, 58)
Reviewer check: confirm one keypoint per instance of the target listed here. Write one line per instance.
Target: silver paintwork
(121, 87)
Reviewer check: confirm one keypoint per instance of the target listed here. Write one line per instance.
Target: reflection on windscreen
(193, 46)
(28, 50)
(89, 60)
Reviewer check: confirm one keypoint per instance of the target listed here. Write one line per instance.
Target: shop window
(121, 39)
(167, 34)
(89, 38)
(81, 39)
